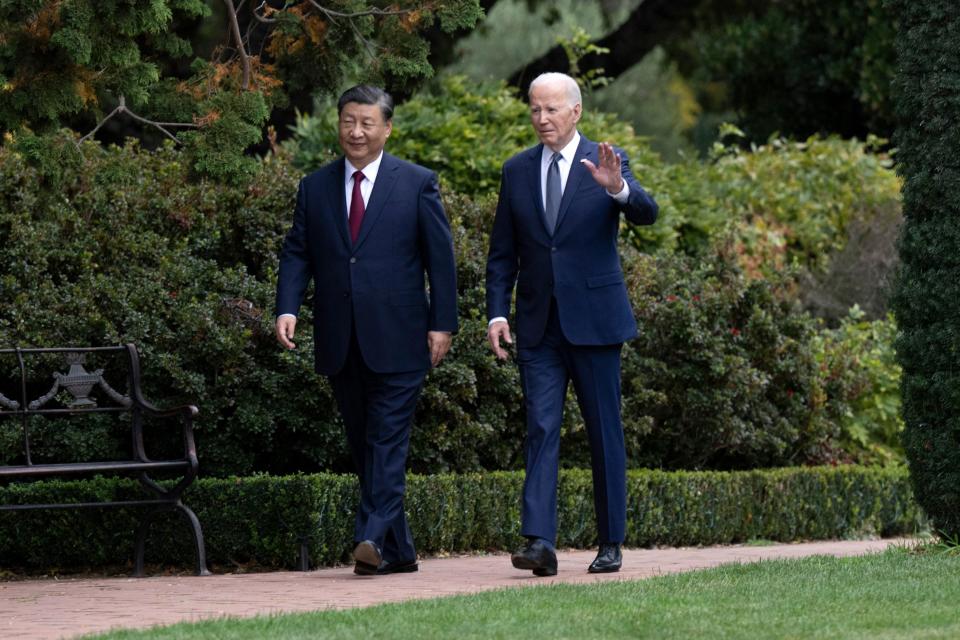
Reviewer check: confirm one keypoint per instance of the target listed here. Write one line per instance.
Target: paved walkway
(63, 608)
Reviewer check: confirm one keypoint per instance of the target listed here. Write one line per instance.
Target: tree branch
(238, 39)
(122, 108)
(330, 13)
(262, 18)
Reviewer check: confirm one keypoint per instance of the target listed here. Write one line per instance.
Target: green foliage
(792, 201)
(462, 131)
(61, 59)
(218, 150)
(658, 102)
(926, 298)
(724, 373)
(859, 355)
(263, 519)
(128, 248)
(799, 68)
(576, 47)
(78, 64)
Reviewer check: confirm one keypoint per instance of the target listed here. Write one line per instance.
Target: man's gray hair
(571, 86)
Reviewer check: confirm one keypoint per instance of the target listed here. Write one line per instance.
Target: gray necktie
(552, 204)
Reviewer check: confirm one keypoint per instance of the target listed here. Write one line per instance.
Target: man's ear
(577, 112)
(389, 127)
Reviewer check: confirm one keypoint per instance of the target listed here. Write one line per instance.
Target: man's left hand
(607, 170)
(439, 343)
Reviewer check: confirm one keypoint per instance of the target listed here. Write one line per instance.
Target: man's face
(553, 117)
(363, 132)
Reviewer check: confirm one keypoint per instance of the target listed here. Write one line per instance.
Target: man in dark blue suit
(366, 229)
(555, 238)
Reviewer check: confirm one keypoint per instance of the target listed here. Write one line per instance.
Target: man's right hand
(286, 327)
(494, 332)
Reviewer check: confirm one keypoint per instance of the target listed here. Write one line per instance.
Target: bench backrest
(70, 388)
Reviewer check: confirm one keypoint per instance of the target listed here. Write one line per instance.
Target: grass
(896, 594)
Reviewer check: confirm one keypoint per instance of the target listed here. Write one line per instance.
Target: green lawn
(889, 595)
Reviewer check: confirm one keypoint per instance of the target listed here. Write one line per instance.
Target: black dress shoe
(608, 560)
(367, 557)
(400, 566)
(538, 556)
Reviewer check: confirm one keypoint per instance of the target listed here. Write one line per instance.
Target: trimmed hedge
(263, 519)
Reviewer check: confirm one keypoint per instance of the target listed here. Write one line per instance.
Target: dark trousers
(377, 410)
(545, 370)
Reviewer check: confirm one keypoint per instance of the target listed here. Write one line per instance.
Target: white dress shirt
(366, 186)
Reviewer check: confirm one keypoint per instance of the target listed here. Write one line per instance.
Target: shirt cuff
(288, 315)
(497, 319)
(623, 195)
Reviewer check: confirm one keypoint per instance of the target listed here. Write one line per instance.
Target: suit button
(346, 295)
(352, 260)
(553, 249)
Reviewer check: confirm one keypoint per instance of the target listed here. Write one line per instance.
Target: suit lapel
(586, 149)
(386, 178)
(339, 203)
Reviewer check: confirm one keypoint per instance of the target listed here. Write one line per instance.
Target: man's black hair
(368, 94)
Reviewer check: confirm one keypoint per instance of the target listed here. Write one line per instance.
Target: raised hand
(607, 170)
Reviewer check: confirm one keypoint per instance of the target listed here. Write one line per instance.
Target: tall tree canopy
(798, 68)
(81, 63)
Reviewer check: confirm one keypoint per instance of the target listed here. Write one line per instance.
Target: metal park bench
(70, 395)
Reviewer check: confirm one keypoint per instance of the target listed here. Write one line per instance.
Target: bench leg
(195, 531)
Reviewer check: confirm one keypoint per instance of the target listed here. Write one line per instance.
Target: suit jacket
(579, 265)
(377, 284)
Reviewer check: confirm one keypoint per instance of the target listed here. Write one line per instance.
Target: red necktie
(356, 206)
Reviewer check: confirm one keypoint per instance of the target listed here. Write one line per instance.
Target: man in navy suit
(555, 238)
(366, 229)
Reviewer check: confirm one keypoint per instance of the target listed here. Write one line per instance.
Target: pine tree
(81, 63)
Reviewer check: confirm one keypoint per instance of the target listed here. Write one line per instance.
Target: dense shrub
(859, 356)
(724, 373)
(128, 249)
(798, 196)
(265, 519)
(927, 300)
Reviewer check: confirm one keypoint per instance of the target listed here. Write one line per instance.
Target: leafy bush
(129, 250)
(799, 196)
(265, 519)
(859, 355)
(724, 373)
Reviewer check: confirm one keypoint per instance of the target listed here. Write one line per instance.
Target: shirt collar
(369, 171)
(568, 152)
